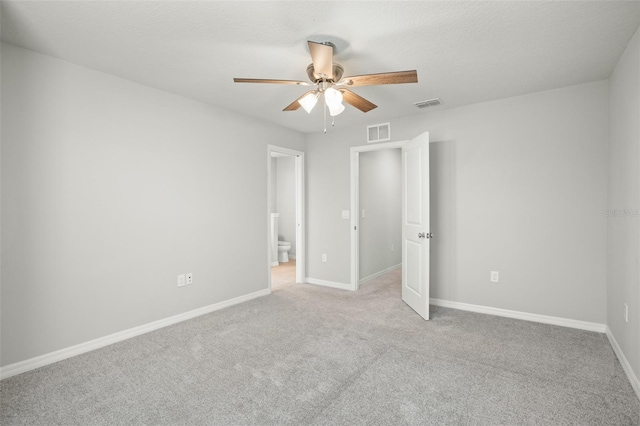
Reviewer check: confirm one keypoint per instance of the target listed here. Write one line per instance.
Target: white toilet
(283, 251)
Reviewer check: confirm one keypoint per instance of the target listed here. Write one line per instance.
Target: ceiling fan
(327, 78)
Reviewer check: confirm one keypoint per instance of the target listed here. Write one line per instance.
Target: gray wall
(518, 185)
(381, 199)
(623, 204)
(286, 201)
(109, 190)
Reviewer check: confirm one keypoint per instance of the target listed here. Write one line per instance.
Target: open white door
(415, 224)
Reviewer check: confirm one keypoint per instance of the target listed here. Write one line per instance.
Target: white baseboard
(332, 284)
(635, 383)
(59, 355)
(379, 274)
(564, 322)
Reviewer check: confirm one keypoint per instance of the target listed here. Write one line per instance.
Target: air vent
(379, 133)
(428, 103)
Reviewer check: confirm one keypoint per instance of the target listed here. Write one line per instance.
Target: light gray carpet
(313, 355)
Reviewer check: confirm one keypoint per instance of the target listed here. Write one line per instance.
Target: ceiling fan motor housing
(315, 78)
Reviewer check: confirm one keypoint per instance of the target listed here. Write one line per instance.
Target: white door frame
(300, 214)
(355, 203)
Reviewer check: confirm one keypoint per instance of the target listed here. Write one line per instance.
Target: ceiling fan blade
(322, 58)
(357, 101)
(264, 80)
(295, 104)
(398, 77)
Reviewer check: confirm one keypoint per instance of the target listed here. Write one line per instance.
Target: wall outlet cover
(495, 276)
(181, 280)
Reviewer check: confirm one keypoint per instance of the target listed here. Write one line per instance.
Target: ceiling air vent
(379, 132)
(428, 103)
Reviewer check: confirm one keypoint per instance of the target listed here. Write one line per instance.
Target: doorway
(380, 213)
(285, 218)
(416, 234)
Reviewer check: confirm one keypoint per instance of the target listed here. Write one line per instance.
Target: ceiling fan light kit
(333, 100)
(326, 75)
(332, 97)
(336, 110)
(309, 100)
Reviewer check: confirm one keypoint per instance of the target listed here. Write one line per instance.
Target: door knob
(421, 235)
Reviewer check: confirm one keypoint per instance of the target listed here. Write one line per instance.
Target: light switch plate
(345, 214)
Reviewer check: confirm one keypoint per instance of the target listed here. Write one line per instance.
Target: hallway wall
(381, 199)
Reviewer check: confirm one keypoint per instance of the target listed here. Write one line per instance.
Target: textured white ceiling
(464, 52)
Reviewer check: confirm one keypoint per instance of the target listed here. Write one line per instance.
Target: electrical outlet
(393, 248)
(626, 313)
(181, 280)
(324, 257)
(495, 276)
(345, 214)
(190, 278)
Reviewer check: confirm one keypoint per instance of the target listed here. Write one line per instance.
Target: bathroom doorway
(285, 217)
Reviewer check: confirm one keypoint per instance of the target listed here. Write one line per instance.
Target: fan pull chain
(325, 117)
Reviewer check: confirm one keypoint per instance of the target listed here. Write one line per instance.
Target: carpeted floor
(314, 355)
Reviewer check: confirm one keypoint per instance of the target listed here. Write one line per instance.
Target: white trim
(378, 146)
(354, 160)
(355, 202)
(545, 319)
(355, 222)
(332, 284)
(300, 210)
(275, 263)
(635, 383)
(379, 274)
(300, 218)
(59, 355)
